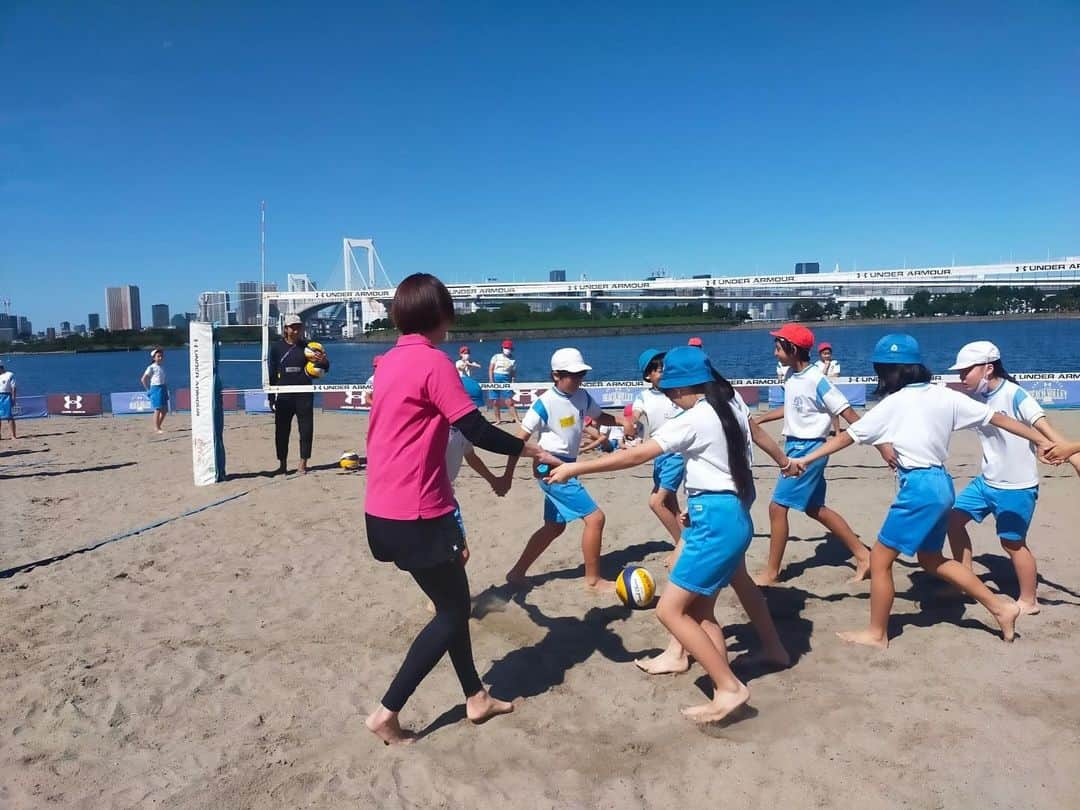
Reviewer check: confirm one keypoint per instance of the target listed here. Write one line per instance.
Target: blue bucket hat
(898, 349)
(645, 358)
(685, 366)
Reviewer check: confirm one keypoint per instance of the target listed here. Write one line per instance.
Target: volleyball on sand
(635, 587)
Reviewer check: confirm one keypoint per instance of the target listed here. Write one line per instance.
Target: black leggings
(303, 406)
(448, 587)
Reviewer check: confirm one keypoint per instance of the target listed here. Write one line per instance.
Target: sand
(228, 658)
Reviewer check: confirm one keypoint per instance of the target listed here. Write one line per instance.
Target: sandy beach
(227, 657)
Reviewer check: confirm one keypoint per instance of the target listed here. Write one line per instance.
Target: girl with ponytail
(713, 435)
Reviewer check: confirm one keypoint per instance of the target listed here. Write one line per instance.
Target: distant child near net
(918, 419)
(712, 435)
(155, 382)
(810, 402)
(558, 415)
(652, 409)
(1008, 486)
(465, 364)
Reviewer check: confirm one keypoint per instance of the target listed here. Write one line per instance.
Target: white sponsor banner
(203, 446)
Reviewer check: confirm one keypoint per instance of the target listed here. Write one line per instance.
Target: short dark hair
(791, 348)
(654, 364)
(421, 303)
(894, 376)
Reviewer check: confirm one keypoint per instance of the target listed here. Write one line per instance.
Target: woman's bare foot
(862, 570)
(666, 663)
(384, 724)
(481, 707)
(600, 586)
(1006, 617)
(301, 468)
(766, 578)
(866, 637)
(1028, 608)
(722, 704)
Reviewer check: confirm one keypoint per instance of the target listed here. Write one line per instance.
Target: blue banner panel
(855, 393)
(129, 402)
(30, 407)
(255, 401)
(1054, 393)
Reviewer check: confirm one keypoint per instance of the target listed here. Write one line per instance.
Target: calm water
(1044, 345)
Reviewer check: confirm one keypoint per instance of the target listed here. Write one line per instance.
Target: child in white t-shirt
(558, 415)
(918, 419)
(156, 385)
(465, 364)
(1008, 486)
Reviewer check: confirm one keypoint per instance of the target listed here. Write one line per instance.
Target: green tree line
(102, 340)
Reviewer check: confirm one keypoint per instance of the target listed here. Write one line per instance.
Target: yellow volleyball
(312, 347)
(349, 461)
(313, 370)
(635, 587)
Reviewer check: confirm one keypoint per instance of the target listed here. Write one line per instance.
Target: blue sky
(479, 139)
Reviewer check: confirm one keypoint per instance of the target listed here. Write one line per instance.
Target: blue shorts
(714, 543)
(457, 517)
(159, 397)
(502, 393)
(565, 503)
(919, 517)
(808, 490)
(668, 470)
(1012, 508)
(5, 406)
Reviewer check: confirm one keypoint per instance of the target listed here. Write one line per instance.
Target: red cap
(795, 334)
(508, 344)
(824, 346)
(694, 341)
(375, 361)
(628, 411)
(462, 349)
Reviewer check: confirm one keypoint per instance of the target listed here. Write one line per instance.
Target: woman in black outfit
(409, 503)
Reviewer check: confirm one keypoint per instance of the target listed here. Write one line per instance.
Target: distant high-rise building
(9, 327)
(159, 314)
(23, 328)
(214, 307)
(181, 320)
(50, 333)
(122, 307)
(65, 328)
(93, 321)
(557, 275)
(249, 301)
(807, 268)
(80, 329)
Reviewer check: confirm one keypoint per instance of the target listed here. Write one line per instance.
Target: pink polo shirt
(419, 395)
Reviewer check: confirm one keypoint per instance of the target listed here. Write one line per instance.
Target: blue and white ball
(635, 587)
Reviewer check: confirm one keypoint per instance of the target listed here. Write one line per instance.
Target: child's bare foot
(862, 570)
(666, 663)
(722, 704)
(384, 724)
(600, 586)
(866, 637)
(481, 707)
(1006, 617)
(1028, 608)
(766, 578)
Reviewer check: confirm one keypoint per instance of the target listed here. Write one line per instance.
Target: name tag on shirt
(567, 421)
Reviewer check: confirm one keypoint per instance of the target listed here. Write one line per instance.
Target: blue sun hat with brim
(685, 366)
(645, 358)
(897, 349)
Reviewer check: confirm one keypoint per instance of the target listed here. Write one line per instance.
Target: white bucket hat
(569, 360)
(976, 354)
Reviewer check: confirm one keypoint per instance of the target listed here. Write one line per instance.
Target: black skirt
(415, 544)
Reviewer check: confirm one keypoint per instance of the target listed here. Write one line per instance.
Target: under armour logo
(350, 396)
(72, 403)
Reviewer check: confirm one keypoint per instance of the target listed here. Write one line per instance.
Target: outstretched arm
(833, 445)
(766, 442)
(1060, 444)
(770, 416)
(1018, 428)
(624, 460)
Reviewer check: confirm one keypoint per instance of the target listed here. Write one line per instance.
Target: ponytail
(1000, 372)
(720, 394)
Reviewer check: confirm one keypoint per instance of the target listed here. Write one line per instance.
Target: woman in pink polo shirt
(409, 506)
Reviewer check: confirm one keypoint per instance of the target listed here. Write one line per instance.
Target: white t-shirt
(456, 448)
(810, 402)
(1009, 460)
(830, 369)
(698, 436)
(465, 367)
(919, 421)
(156, 373)
(7, 382)
(559, 419)
(502, 364)
(656, 408)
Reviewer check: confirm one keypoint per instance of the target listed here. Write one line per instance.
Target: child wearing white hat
(1008, 486)
(558, 415)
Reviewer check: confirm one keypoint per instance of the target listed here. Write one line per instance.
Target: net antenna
(355, 279)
